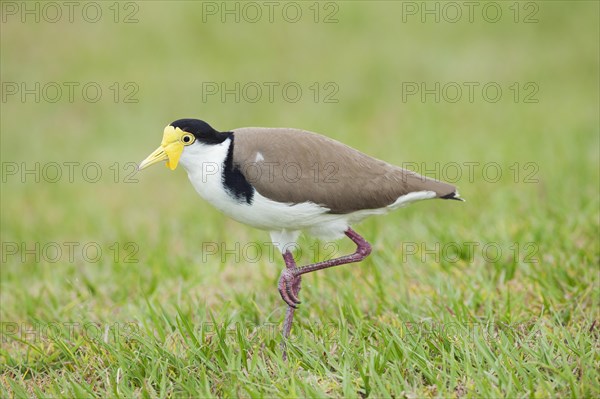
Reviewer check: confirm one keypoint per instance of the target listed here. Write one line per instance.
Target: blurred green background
(160, 57)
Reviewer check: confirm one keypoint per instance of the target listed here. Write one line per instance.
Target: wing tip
(453, 196)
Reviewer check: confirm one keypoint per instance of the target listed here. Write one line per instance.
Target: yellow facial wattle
(170, 149)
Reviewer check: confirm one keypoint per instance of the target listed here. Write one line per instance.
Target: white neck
(204, 165)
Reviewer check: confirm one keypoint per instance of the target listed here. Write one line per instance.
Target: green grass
(158, 315)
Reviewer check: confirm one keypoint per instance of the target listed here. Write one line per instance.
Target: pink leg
(295, 289)
(289, 282)
(290, 264)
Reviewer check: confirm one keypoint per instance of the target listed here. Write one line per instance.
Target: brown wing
(295, 166)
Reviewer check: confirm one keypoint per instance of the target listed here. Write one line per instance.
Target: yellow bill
(170, 149)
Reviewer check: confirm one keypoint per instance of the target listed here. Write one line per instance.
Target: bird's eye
(188, 138)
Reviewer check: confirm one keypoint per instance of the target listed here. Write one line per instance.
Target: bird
(289, 181)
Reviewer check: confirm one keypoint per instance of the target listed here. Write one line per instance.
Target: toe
(284, 291)
(290, 293)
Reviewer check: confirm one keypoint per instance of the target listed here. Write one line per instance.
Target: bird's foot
(287, 282)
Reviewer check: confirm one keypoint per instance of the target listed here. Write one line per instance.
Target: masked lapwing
(288, 181)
